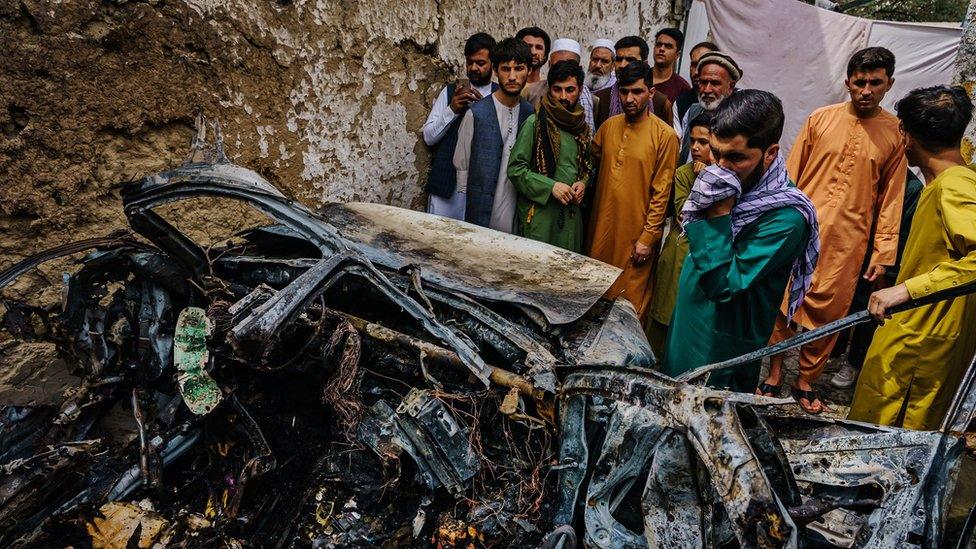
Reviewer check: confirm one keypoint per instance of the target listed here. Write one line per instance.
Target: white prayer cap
(602, 43)
(567, 44)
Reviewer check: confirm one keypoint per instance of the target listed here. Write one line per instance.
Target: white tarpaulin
(696, 30)
(800, 52)
(925, 55)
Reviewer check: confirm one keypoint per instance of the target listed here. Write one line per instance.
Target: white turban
(602, 43)
(567, 44)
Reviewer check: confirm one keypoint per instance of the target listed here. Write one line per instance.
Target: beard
(596, 81)
(479, 80)
(515, 93)
(710, 103)
(750, 181)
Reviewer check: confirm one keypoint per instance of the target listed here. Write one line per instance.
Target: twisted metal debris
(365, 375)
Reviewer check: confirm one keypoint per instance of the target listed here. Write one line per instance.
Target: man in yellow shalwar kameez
(917, 358)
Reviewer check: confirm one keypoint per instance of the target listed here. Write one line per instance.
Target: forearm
(654, 222)
(727, 270)
(946, 275)
(435, 129)
(438, 121)
(888, 211)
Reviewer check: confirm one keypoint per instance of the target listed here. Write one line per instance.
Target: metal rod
(439, 354)
(824, 331)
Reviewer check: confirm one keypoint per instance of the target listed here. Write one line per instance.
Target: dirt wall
(324, 98)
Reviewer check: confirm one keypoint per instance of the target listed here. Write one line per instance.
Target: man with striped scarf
(751, 234)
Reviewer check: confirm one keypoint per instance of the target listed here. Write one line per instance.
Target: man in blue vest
(440, 130)
(486, 137)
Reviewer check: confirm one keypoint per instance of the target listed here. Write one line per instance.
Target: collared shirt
(441, 115)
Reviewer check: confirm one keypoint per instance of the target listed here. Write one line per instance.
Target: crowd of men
(725, 245)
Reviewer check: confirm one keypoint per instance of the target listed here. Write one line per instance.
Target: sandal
(766, 389)
(809, 396)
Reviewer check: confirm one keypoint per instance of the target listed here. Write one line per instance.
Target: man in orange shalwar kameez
(849, 159)
(637, 155)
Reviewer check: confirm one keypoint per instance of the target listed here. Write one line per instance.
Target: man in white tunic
(486, 137)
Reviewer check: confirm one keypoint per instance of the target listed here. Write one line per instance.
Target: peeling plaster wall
(966, 76)
(324, 98)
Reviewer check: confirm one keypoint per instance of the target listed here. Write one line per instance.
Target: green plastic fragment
(190, 355)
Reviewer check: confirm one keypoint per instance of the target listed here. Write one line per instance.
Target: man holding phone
(441, 129)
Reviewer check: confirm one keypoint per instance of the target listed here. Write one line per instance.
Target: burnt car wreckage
(370, 376)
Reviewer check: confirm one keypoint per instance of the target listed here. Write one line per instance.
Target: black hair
(704, 118)
(711, 46)
(638, 70)
(634, 42)
(756, 115)
(674, 33)
(477, 42)
(563, 70)
(537, 33)
(510, 49)
(872, 58)
(936, 117)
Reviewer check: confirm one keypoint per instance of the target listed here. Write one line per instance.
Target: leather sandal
(809, 396)
(767, 389)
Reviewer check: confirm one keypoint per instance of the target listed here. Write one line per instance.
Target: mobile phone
(463, 83)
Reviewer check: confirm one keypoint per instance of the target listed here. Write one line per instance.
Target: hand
(562, 192)
(882, 300)
(720, 208)
(579, 188)
(873, 272)
(641, 253)
(698, 167)
(462, 98)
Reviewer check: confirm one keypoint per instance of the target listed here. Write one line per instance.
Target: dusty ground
(838, 400)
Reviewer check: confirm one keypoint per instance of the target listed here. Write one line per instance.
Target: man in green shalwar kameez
(550, 163)
(751, 234)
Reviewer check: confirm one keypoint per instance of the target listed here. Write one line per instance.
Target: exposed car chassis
(424, 343)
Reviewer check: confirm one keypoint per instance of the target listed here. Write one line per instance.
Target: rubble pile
(370, 376)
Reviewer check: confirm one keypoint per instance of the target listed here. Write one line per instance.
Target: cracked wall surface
(324, 98)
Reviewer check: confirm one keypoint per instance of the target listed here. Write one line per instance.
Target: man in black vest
(440, 130)
(486, 137)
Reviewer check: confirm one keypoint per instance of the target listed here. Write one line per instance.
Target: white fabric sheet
(925, 55)
(696, 30)
(800, 52)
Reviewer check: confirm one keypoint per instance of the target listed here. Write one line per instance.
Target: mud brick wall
(324, 98)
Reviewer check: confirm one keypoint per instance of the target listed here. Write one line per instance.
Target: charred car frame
(365, 375)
